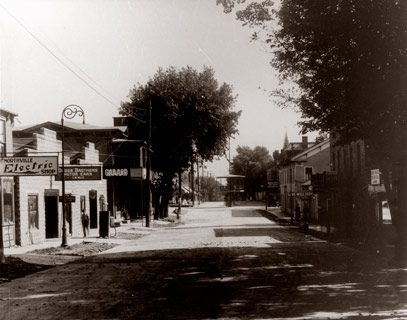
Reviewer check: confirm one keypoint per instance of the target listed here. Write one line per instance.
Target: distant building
(295, 177)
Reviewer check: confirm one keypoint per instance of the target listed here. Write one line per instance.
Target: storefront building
(295, 182)
(7, 209)
(37, 197)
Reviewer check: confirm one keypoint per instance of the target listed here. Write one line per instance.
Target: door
(93, 209)
(7, 207)
(51, 217)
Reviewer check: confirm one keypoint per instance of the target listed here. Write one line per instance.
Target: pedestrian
(85, 224)
(297, 212)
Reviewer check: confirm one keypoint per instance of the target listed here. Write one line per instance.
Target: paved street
(220, 263)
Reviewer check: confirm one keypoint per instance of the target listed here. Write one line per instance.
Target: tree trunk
(156, 206)
(179, 193)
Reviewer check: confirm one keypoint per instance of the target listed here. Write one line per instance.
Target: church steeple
(285, 140)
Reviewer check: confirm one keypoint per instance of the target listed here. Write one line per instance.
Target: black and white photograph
(203, 159)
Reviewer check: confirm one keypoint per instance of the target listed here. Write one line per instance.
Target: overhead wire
(60, 60)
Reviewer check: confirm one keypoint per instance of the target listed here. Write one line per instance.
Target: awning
(231, 176)
(186, 189)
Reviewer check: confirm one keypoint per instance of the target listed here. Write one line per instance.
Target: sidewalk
(137, 226)
(382, 248)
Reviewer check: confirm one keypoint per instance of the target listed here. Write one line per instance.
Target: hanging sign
(29, 166)
(80, 173)
(375, 177)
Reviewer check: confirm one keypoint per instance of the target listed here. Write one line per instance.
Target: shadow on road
(302, 281)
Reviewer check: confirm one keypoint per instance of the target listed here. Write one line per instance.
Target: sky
(92, 52)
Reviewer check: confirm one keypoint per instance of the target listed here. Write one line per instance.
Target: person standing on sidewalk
(85, 224)
(297, 212)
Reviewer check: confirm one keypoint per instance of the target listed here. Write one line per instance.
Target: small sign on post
(375, 177)
(68, 198)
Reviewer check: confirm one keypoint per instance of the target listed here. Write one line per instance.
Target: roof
(11, 113)
(69, 125)
(297, 146)
(312, 150)
(128, 141)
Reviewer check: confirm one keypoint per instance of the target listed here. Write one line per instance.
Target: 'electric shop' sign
(29, 166)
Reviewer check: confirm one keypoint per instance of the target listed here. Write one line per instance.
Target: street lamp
(69, 112)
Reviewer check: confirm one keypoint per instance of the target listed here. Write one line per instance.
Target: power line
(60, 60)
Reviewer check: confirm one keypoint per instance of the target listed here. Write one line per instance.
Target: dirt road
(221, 263)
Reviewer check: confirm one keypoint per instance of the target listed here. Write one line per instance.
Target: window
(83, 204)
(358, 156)
(33, 211)
(2, 138)
(333, 161)
(8, 211)
(308, 173)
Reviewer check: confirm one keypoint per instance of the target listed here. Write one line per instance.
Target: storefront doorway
(93, 209)
(51, 213)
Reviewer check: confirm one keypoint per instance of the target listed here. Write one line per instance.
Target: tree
(210, 189)
(253, 164)
(349, 62)
(191, 116)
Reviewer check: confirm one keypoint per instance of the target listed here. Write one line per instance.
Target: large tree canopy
(348, 59)
(253, 164)
(192, 116)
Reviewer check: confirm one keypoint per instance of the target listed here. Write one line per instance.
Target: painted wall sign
(29, 166)
(110, 172)
(80, 173)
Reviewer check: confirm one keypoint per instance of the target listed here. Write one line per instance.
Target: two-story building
(37, 203)
(285, 173)
(295, 180)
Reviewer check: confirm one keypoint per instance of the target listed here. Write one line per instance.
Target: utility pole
(148, 164)
(192, 183)
(203, 177)
(179, 193)
(197, 175)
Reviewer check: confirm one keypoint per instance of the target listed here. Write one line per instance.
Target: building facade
(297, 197)
(7, 208)
(355, 209)
(37, 199)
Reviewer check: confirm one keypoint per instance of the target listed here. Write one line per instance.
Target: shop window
(308, 173)
(83, 204)
(33, 211)
(8, 212)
